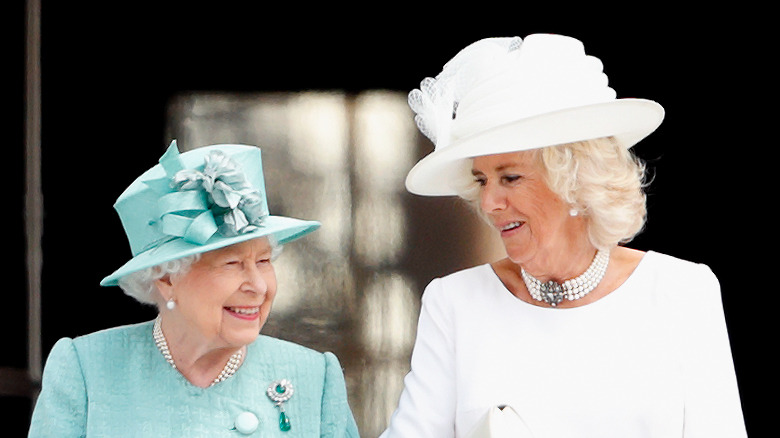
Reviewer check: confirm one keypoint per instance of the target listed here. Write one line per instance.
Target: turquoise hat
(198, 201)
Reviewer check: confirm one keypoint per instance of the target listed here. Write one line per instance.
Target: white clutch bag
(501, 422)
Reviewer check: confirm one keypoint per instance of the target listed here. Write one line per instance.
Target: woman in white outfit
(573, 334)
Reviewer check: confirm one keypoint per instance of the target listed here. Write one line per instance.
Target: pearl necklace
(553, 293)
(230, 367)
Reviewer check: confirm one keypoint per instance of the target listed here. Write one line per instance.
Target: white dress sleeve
(426, 407)
(712, 402)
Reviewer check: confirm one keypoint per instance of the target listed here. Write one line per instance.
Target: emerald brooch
(279, 392)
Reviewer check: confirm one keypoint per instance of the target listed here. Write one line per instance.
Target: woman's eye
(511, 178)
(480, 181)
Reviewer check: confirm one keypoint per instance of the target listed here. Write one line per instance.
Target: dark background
(110, 68)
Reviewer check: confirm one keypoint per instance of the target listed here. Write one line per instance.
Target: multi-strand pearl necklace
(553, 293)
(230, 367)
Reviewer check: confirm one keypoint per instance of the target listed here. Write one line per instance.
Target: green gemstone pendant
(284, 422)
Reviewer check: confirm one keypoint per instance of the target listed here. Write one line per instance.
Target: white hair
(599, 178)
(141, 284)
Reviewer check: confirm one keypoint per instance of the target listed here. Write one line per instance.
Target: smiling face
(534, 222)
(226, 296)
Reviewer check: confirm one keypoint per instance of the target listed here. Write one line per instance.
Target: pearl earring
(573, 212)
(170, 304)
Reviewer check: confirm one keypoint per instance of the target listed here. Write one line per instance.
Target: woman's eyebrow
(499, 168)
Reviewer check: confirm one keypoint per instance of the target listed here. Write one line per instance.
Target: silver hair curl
(140, 284)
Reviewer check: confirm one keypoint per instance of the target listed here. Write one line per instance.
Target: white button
(246, 423)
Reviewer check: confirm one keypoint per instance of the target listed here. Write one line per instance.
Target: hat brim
(627, 120)
(283, 229)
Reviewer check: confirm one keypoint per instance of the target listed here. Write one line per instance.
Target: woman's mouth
(510, 227)
(248, 313)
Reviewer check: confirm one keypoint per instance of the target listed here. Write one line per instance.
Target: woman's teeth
(244, 310)
(511, 225)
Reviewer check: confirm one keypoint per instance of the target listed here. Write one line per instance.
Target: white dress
(651, 359)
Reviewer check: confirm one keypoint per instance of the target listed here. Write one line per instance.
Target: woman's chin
(240, 338)
(516, 252)
(242, 329)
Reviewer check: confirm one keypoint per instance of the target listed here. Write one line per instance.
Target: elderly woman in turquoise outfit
(203, 245)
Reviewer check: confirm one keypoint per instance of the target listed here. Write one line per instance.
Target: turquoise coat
(115, 383)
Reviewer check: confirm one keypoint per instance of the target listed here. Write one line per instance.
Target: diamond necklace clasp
(551, 292)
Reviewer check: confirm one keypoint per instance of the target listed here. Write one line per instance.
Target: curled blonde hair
(599, 178)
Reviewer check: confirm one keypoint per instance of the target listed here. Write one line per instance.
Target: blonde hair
(599, 178)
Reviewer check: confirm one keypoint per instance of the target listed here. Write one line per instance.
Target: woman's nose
(492, 198)
(254, 280)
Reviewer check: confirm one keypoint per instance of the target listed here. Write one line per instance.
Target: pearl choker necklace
(553, 293)
(230, 368)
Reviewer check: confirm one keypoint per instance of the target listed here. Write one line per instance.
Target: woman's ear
(165, 287)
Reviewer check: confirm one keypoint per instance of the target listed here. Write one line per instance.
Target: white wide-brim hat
(502, 95)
